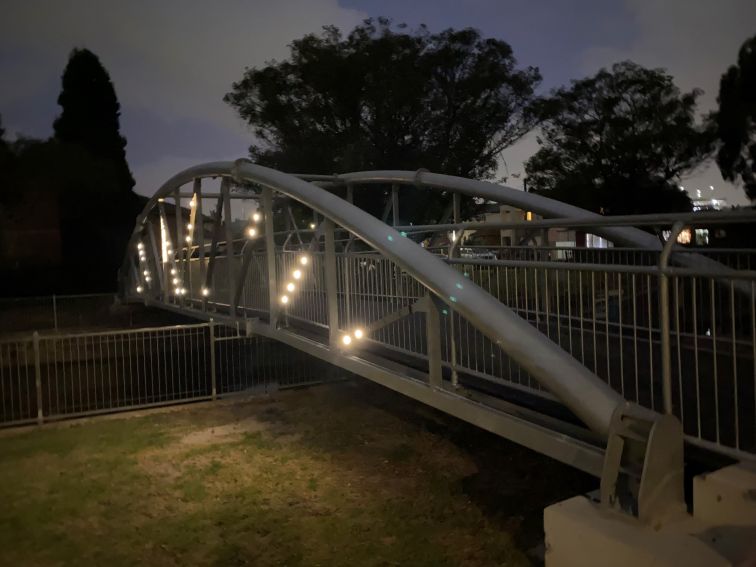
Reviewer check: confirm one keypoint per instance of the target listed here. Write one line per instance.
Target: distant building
(710, 204)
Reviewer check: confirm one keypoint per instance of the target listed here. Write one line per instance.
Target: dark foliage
(618, 142)
(735, 121)
(388, 98)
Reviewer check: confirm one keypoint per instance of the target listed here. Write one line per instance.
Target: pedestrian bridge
(611, 358)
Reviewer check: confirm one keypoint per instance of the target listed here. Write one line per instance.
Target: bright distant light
(346, 339)
(290, 287)
(189, 226)
(146, 272)
(358, 333)
(148, 279)
(193, 203)
(175, 281)
(312, 225)
(188, 238)
(205, 292)
(173, 271)
(251, 232)
(284, 299)
(142, 259)
(256, 217)
(297, 274)
(139, 289)
(304, 260)
(140, 246)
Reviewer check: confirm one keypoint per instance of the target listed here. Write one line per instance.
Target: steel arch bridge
(479, 335)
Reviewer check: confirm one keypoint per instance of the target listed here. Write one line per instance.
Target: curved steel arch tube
(550, 208)
(592, 400)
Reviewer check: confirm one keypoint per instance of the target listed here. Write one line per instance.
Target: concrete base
(726, 497)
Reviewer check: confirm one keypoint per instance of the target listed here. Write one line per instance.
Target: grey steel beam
(229, 247)
(332, 283)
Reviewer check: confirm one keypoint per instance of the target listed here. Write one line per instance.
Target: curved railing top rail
(592, 400)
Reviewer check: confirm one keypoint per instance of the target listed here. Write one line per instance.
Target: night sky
(172, 62)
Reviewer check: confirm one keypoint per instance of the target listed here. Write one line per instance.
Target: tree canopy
(735, 121)
(385, 97)
(90, 114)
(618, 142)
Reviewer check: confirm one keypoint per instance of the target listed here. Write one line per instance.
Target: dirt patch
(224, 433)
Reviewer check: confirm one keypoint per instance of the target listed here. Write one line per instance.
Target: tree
(618, 142)
(735, 121)
(383, 97)
(90, 115)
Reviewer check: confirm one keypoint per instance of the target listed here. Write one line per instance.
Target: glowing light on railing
(175, 281)
(304, 260)
(140, 246)
(188, 238)
(256, 217)
(251, 232)
(284, 299)
(193, 202)
(290, 287)
(297, 274)
(139, 289)
(358, 333)
(205, 292)
(346, 339)
(312, 225)
(173, 271)
(146, 272)
(147, 279)
(189, 226)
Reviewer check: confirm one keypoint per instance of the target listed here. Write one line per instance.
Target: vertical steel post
(433, 336)
(180, 242)
(211, 326)
(666, 340)
(55, 312)
(200, 216)
(456, 216)
(331, 283)
(38, 378)
(225, 195)
(270, 252)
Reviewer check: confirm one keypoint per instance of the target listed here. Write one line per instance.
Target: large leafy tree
(386, 97)
(618, 142)
(735, 122)
(91, 114)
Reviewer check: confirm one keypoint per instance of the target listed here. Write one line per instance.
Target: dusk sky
(172, 62)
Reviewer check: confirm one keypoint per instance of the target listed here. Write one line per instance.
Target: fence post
(666, 340)
(211, 326)
(38, 378)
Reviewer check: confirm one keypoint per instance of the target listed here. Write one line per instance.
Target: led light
(297, 274)
(251, 232)
(146, 272)
(183, 291)
(256, 217)
(346, 339)
(188, 238)
(173, 271)
(304, 260)
(358, 333)
(139, 289)
(290, 287)
(175, 281)
(205, 292)
(140, 246)
(189, 226)
(148, 279)
(312, 225)
(142, 259)
(284, 299)
(192, 203)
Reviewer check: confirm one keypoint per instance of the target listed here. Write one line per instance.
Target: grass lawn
(346, 474)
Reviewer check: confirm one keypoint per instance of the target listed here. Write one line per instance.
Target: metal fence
(50, 377)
